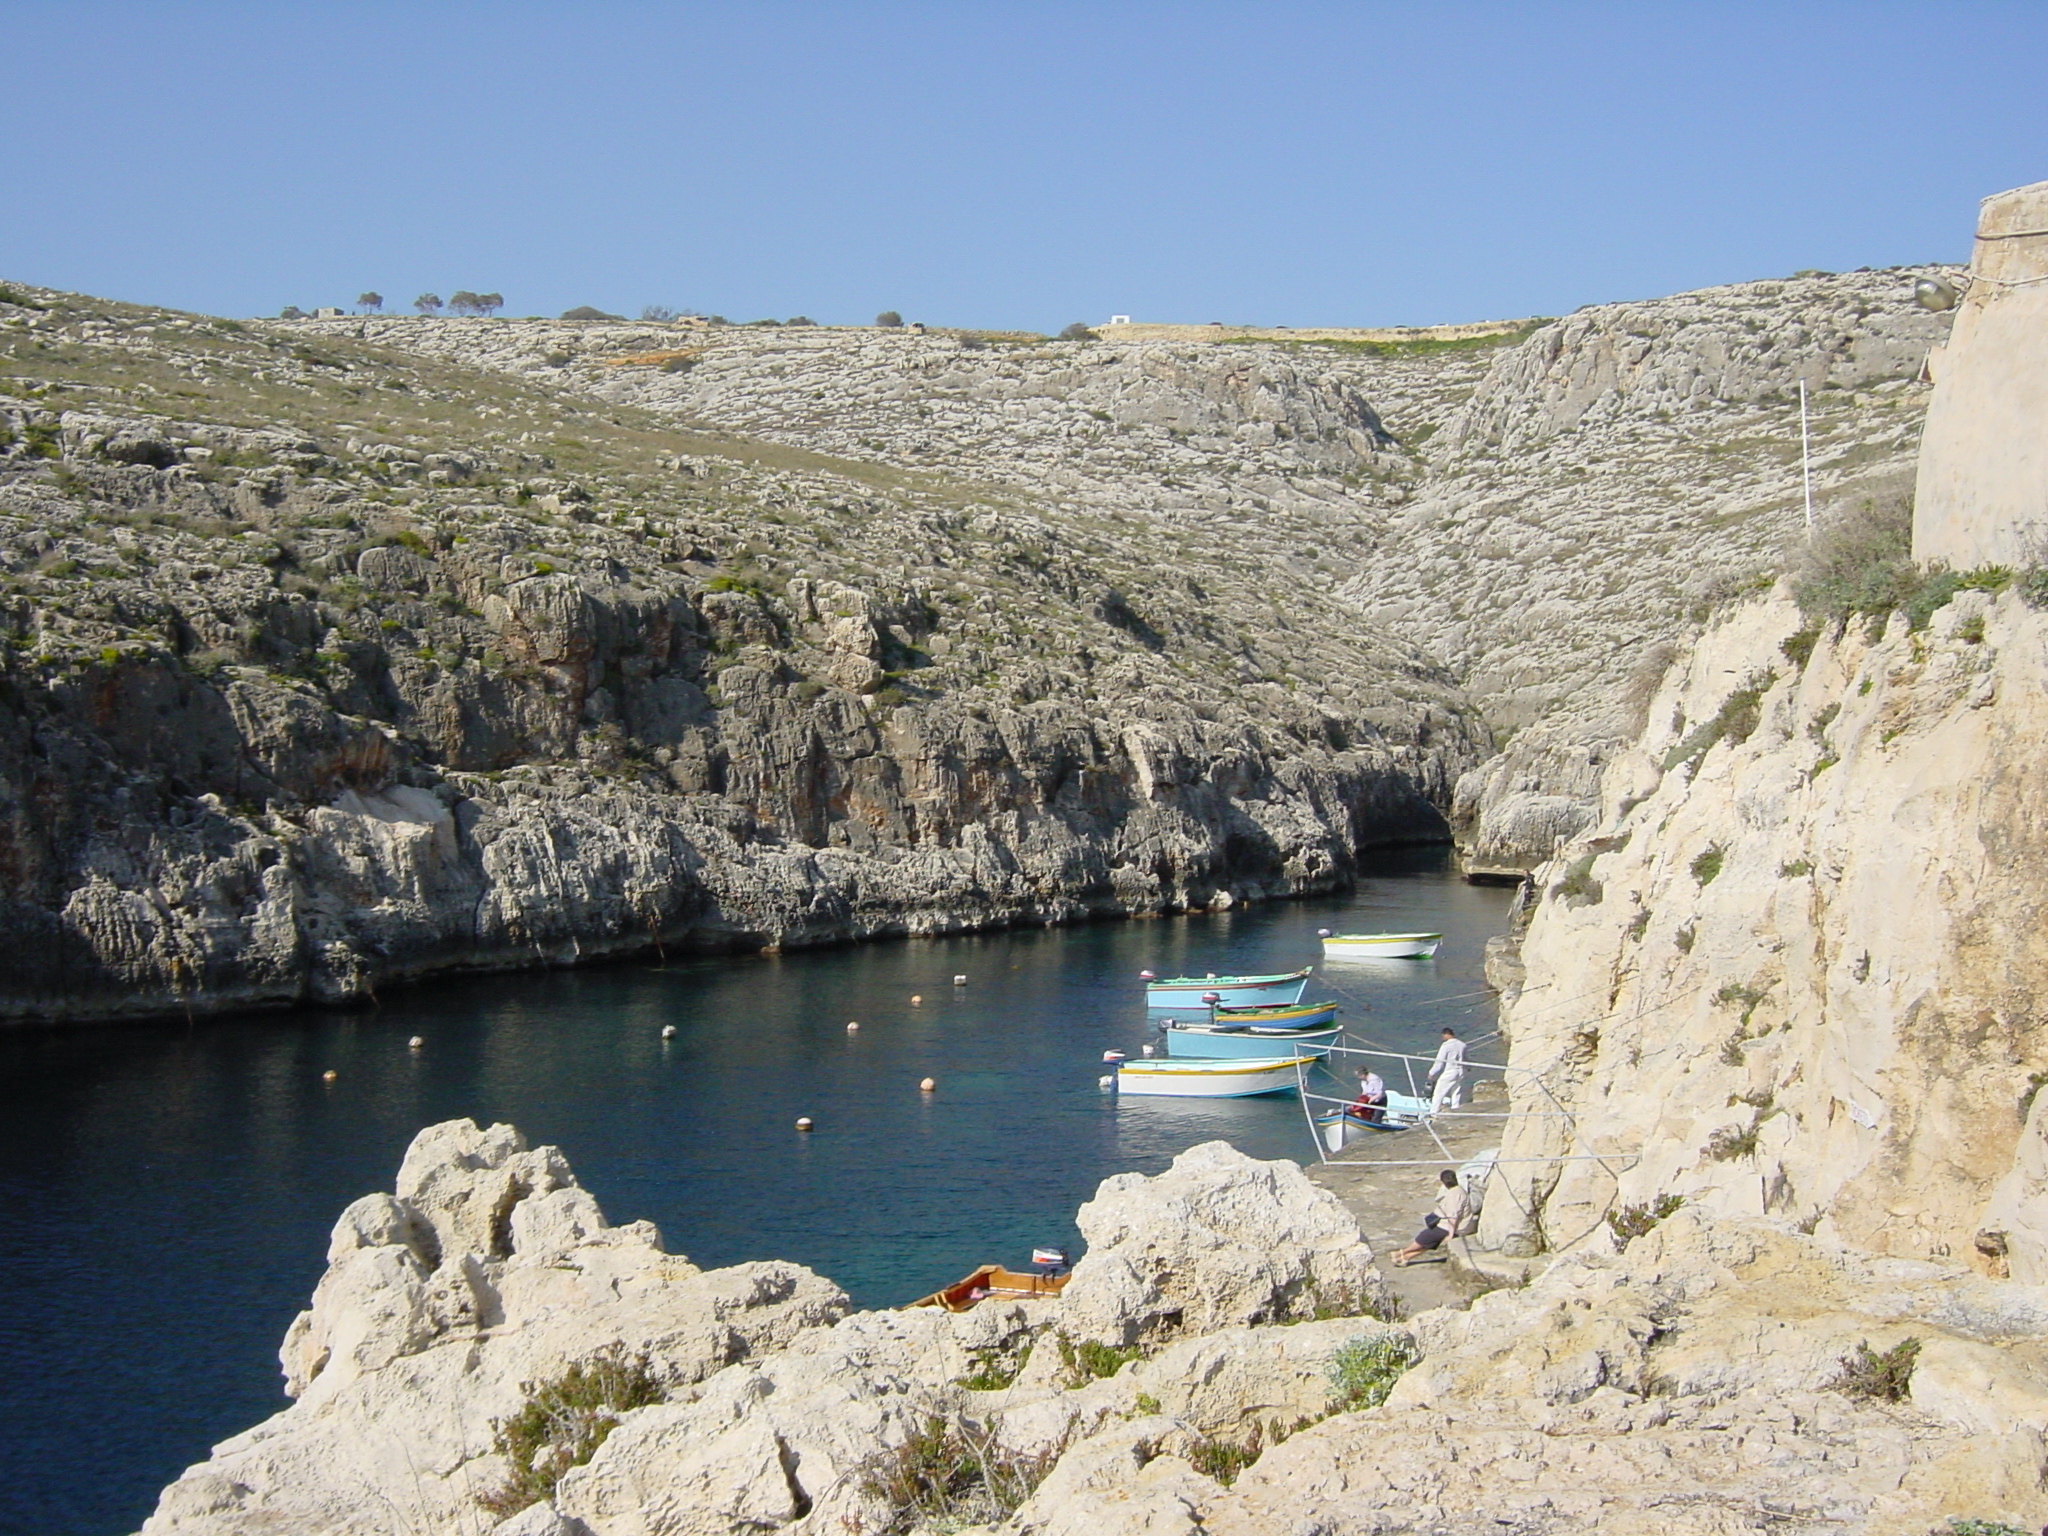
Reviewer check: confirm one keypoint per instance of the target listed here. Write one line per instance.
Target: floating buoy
(928, 1085)
(668, 1031)
(916, 998)
(959, 981)
(417, 1043)
(1209, 976)
(852, 1027)
(1148, 976)
(1112, 1055)
(1105, 1082)
(1146, 1049)
(803, 1122)
(329, 1075)
(1322, 933)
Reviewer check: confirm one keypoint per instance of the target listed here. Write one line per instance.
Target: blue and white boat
(1246, 1040)
(1194, 992)
(1181, 1078)
(1340, 1127)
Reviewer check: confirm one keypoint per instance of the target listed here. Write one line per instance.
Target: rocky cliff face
(1689, 1384)
(1795, 968)
(291, 714)
(343, 652)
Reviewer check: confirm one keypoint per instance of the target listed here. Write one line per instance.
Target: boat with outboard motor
(1232, 1039)
(1194, 1077)
(1193, 992)
(992, 1282)
(1338, 1128)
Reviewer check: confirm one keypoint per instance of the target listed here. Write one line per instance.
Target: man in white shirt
(1448, 1073)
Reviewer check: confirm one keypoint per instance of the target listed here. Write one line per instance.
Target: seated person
(1432, 1237)
(1371, 1103)
(1453, 1204)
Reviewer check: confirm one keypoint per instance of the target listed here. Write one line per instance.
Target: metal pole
(1806, 460)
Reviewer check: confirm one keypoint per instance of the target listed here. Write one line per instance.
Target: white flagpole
(1806, 460)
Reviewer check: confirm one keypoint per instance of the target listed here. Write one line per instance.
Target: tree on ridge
(370, 301)
(888, 319)
(427, 303)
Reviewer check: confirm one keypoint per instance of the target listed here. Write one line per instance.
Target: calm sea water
(166, 1192)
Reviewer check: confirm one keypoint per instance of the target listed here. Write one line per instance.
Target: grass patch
(1706, 865)
(995, 1369)
(1731, 1142)
(1632, 1221)
(1734, 722)
(1885, 1378)
(1092, 1361)
(564, 1422)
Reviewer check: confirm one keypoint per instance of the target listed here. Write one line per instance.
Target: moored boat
(1380, 946)
(1193, 992)
(991, 1281)
(1182, 1077)
(1277, 1016)
(1340, 1127)
(1239, 1041)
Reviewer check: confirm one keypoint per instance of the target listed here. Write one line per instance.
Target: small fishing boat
(991, 1282)
(1237, 1040)
(1340, 1127)
(1278, 1016)
(1380, 946)
(1192, 992)
(1183, 1077)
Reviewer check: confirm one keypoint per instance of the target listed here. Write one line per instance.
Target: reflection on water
(166, 1192)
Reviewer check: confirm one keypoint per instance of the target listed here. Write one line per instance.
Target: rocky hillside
(1794, 970)
(340, 652)
(327, 665)
(486, 1353)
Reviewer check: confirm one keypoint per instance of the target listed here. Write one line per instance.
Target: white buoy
(928, 1085)
(1147, 976)
(1112, 1055)
(668, 1031)
(803, 1122)
(1322, 933)
(916, 998)
(1105, 1082)
(1146, 1049)
(852, 1027)
(959, 981)
(329, 1075)
(417, 1043)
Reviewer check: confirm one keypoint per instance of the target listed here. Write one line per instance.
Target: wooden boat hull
(1281, 1015)
(991, 1282)
(1201, 1041)
(1177, 1077)
(1188, 992)
(1381, 946)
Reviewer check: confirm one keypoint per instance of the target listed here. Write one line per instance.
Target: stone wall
(1983, 490)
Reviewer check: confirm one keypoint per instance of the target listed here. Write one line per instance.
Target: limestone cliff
(1796, 968)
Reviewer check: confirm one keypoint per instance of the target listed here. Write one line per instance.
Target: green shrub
(1886, 1377)
(1077, 332)
(1225, 1459)
(564, 1422)
(891, 698)
(995, 1369)
(1684, 938)
(1734, 722)
(39, 441)
(1798, 648)
(1731, 1142)
(1632, 1221)
(1092, 1361)
(951, 1474)
(1959, 1525)
(1792, 869)
(1708, 864)
(1577, 882)
(1364, 1370)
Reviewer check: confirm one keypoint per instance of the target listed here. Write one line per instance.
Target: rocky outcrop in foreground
(1207, 1370)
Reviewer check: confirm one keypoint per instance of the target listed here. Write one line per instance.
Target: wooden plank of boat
(1177, 1077)
(1304, 1014)
(990, 1281)
(1380, 946)
(1230, 991)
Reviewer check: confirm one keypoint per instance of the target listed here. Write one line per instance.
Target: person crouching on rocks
(1432, 1237)
(1371, 1103)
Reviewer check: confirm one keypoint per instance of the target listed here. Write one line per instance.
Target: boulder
(1219, 1240)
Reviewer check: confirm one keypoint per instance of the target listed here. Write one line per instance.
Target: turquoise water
(166, 1191)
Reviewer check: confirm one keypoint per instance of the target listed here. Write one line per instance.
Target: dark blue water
(166, 1191)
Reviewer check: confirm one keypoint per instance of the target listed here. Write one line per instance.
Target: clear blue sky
(1002, 164)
